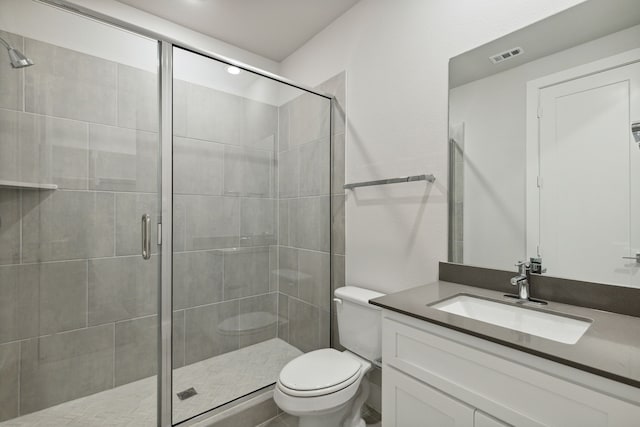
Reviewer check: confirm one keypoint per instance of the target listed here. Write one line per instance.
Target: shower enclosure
(164, 225)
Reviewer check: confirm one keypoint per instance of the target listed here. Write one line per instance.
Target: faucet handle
(522, 267)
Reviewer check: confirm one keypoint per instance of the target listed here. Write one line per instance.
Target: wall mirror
(544, 155)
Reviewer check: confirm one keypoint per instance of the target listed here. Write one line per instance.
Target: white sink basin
(555, 327)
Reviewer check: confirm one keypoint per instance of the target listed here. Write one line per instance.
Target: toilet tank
(359, 323)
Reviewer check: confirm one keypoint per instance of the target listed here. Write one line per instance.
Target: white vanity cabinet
(435, 376)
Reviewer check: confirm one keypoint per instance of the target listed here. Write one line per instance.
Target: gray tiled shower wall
(77, 302)
(305, 219)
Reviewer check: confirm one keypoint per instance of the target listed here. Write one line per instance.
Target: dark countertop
(609, 348)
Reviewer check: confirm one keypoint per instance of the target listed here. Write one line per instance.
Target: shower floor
(217, 381)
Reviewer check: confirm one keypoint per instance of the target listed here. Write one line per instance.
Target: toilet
(325, 387)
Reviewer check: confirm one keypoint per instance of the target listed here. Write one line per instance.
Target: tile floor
(370, 416)
(217, 380)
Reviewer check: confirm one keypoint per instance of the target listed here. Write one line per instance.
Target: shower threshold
(217, 380)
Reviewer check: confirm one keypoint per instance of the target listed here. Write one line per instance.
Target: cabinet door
(480, 419)
(408, 402)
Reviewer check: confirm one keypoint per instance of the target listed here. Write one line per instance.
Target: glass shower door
(78, 169)
(251, 230)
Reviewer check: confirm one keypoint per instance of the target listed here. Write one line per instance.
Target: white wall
(396, 54)
(494, 112)
(62, 28)
(177, 32)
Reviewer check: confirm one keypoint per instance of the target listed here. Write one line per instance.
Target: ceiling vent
(507, 54)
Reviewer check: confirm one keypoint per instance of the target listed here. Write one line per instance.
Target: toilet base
(347, 416)
(333, 419)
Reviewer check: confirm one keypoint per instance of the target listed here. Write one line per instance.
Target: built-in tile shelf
(27, 185)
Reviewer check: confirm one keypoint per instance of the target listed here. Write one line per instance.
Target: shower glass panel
(251, 232)
(78, 169)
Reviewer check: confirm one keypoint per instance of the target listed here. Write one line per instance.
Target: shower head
(17, 58)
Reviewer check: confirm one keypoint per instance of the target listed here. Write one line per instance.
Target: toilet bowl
(325, 387)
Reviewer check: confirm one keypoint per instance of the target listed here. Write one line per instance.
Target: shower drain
(190, 392)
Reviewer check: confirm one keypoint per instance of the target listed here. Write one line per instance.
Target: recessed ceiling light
(233, 70)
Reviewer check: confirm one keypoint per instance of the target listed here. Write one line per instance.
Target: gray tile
(283, 127)
(63, 367)
(308, 119)
(136, 353)
(60, 225)
(136, 349)
(309, 223)
(314, 278)
(213, 115)
(208, 222)
(10, 374)
(335, 334)
(256, 414)
(375, 376)
(43, 149)
(9, 142)
(315, 168)
(370, 415)
(137, 99)
(246, 272)
(288, 173)
(337, 163)
(18, 302)
(180, 221)
(11, 80)
(258, 319)
(273, 269)
(257, 222)
(180, 93)
(9, 226)
(123, 159)
(248, 172)
(283, 222)
(70, 84)
(283, 317)
(63, 296)
(337, 224)
(207, 334)
(306, 331)
(53, 151)
(178, 338)
(197, 167)
(197, 278)
(324, 334)
(259, 125)
(129, 210)
(122, 288)
(288, 270)
(339, 276)
(336, 86)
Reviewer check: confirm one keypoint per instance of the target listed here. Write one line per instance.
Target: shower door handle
(146, 236)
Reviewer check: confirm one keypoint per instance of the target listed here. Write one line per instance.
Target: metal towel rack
(424, 177)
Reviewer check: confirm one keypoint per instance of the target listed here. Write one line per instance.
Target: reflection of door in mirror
(589, 173)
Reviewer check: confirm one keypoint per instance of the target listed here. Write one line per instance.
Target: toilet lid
(318, 370)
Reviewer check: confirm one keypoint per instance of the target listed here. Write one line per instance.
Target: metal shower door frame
(165, 181)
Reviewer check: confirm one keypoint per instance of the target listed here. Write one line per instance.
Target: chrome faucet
(522, 280)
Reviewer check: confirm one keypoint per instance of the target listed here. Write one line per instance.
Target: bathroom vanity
(443, 369)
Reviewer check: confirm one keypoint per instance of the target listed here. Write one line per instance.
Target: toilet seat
(318, 373)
